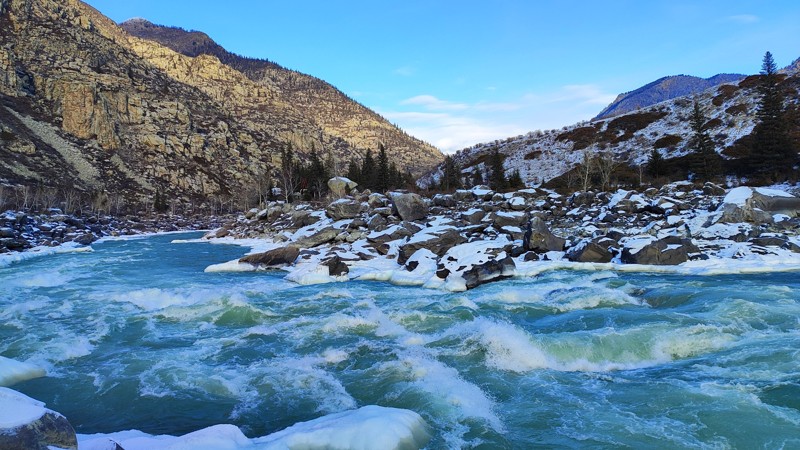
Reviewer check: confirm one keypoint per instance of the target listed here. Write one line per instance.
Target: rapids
(135, 335)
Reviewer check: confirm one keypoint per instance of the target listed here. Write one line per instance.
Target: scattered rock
(273, 258)
(343, 209)
(438, 244)
(671, 250)
(322, 236)
(538, 238)
(336, 267)
(409, 206)
(493, 270)
(341, 186)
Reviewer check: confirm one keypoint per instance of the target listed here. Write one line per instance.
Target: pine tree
(705, 160)
(354, 172)
(497, 174)
(368, 172)
(451, 176)
(382, 170)
(515, 180)
(655, 164)
(477, 177)
(773, 152)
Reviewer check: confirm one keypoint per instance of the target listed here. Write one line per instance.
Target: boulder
(437, 243)
(756, 205)
(336, 267)
(341, 186)
(7, 233)
(493, 270)
(517, 203)
(502, 219)
(343, 209)
(409, 206)
(473, 216)
(31, 426)
(376, 223)
(668, 251)
(462, 195)
(377, 200)
(390, 234)
(444, 200)
(538, 238)
(594, 251)
(303, 218)
(276, 257)
(322, 236)
(85, 239)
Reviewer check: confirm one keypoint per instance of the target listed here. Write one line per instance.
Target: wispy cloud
(405, 71)
(451, 126)
(742, 18)
(432, 103)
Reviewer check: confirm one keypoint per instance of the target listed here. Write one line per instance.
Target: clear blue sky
(456, 73)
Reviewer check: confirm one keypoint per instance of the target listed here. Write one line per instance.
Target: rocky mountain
(663, 89)
(88, 109)
(626, 141)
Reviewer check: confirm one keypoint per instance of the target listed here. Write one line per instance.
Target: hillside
(88, 110)
(544, 157)
(663, 89)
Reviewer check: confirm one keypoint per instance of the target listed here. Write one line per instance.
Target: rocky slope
(87, 108)
(663, 89)
(628, 139)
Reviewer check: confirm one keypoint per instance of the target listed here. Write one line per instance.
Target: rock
(336, 267)
(34, 427)
(409, 206)
(384, 211)
(343, 209)
(341, 186)
(502, 219)
(303, 218)
(436, 243)
(670, 250)
(322, 236)
(473, 216)
(538, 238)
(7, 232)
(732, 213)
(517, 203)
(462, 195)
(756, 205)
(276, 257)
(493, 270)
(390, 234)
(444, 200)
(713, 189)
(482, 193)
(85, 239)
(377, 200)
(376, 223)
(595, 251)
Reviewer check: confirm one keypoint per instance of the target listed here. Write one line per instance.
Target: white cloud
(432, 103)
(451, 126)
(405, 71)
(742, 18)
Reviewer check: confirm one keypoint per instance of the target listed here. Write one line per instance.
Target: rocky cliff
(87, 107)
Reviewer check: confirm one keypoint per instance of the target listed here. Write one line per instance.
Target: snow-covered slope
(543, 155)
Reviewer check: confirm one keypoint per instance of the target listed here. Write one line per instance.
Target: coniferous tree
(289, 176)
(354, 172)
(395, 176)
(451, 176)
(773, 151)
(477, 177)
(497, 174)
(382, 170)
(368, 174)
(705, 161)
(515, 180)
(655, 164)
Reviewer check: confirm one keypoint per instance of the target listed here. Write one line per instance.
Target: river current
(135, 335)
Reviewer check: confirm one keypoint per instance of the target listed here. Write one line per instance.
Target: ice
(18, 409)
(369, 427)
(12, 371)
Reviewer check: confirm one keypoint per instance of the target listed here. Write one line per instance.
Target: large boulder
(502, 219)
(438, 243)
(341, 186)
(25, 424)
(444, 200)
(539, 238)
(756, 205)
(320, 237)
(492, 270)
(409, 206)
(343, 209)
(392, 233)
(592, 251)
(272, 258)
(668, 251)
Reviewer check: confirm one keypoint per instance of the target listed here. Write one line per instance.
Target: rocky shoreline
(459, 241)
(21, 231)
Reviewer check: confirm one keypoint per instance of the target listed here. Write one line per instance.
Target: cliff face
(87, 106)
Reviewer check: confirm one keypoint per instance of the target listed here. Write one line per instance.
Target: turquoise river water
(134, 335)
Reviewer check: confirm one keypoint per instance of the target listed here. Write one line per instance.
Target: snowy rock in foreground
(370, 427)
(367, 428)
(12, 371)
(25, 424)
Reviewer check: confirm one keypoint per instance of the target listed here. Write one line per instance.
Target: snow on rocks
(25, 423)
(485, 236)
(12, 371)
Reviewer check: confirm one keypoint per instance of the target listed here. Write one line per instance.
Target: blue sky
(456, 73)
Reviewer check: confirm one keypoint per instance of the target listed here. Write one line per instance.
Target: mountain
(554, 157)
(88, 108)
(663, 89)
